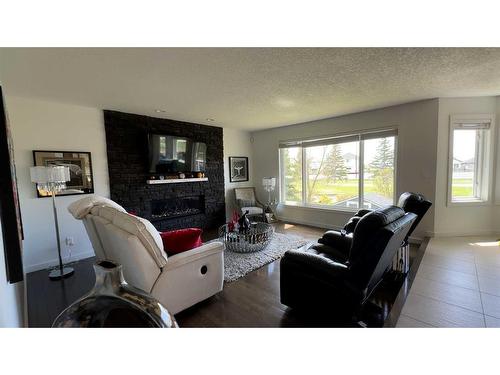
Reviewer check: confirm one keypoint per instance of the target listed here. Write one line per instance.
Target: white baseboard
(50, 263)
(415, 240)
(310, 223)
(464, 233)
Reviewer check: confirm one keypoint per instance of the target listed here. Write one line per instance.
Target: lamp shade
(43, 175)
(269, 183)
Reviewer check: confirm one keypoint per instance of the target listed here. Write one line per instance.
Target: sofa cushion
(178, 241)
(338, 240)
(80, 208)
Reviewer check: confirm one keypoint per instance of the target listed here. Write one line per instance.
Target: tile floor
(457, 285)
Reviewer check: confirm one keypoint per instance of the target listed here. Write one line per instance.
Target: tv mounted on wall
(172, 154)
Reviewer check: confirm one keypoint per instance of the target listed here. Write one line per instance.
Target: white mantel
(175, 180)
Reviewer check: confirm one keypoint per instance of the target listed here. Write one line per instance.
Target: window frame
(483, 163)
(281, 189)
(361, 137)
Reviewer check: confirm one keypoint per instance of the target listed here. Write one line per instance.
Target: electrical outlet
(70, 241)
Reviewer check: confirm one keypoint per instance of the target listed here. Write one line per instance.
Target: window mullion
(304, 175)
(281, 169)
(361, 172)
(477, 163)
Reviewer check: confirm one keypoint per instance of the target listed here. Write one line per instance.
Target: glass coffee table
(256, 238)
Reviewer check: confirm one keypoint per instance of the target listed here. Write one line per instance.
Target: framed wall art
(238, 168)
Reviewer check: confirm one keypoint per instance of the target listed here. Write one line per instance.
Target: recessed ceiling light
(210, 119)
(160, 111)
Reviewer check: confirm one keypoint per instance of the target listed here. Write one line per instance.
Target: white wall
(11, 296)
(43, 125)
(416, 163)
(236, 143)
(462, 220)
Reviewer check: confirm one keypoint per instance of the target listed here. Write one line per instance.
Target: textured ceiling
(248, 88)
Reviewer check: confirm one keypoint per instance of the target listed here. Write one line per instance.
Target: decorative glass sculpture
(114, 303)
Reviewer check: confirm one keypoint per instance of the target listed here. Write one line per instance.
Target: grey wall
(417, 125)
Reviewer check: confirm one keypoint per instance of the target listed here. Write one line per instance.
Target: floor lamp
(53, 179)
(269, 184)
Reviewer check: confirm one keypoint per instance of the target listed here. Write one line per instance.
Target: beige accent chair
(178, 281)
(246, 200)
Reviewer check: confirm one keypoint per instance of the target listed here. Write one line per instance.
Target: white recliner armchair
(177, 281)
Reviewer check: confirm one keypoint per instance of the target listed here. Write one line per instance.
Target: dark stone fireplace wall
(126, 143)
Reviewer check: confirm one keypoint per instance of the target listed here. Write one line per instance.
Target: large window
(469, 167)
(343, 173)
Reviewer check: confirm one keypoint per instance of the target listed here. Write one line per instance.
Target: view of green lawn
(325, 189)
(462, 187)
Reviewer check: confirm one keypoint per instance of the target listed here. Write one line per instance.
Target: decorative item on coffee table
(255, 238)
(244, 222)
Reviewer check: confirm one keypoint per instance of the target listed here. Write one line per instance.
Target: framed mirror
(80, 170)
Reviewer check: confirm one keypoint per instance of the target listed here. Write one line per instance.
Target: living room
(193, 186)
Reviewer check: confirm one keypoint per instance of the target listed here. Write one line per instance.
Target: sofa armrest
(340, 241)
(316, 264)
(200, 252)
(190, 277)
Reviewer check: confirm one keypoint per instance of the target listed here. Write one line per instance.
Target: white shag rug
(237, 265)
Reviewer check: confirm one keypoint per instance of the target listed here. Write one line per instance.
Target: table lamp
(53, 179)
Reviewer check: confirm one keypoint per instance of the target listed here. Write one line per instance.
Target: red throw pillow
(178, 241)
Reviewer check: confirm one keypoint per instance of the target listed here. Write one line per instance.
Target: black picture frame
(238, 169)
(10, 212)
(67, 158)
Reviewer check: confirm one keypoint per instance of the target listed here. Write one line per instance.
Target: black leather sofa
(341, 240)
(409, 202)
(342, 275)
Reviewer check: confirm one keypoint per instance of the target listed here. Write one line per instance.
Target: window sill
(320, 208)
(470, 202)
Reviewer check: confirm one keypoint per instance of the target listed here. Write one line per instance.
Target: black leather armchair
(330, 277)
(409, 202)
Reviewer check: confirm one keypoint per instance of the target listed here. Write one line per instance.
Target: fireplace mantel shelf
(175, 180)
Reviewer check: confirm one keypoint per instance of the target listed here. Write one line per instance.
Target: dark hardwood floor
(252, 301)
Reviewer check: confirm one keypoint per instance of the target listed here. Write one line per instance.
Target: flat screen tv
(171, 154)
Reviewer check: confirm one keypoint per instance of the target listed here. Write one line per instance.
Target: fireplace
(126, 145)
(169, 208)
